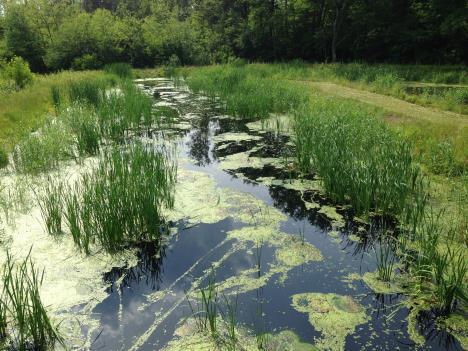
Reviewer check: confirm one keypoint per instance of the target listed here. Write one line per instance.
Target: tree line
(87, 34)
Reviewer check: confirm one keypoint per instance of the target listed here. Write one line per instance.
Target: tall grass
(25, 323)
(42, 150)
(51, 205)
(120, 69)
(121, 202)
(247, 94)
(359, 160)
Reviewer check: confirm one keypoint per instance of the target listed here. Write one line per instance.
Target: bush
(122, 70)
(18, 71)
(86, 62)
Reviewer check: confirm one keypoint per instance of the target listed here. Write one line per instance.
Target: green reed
(359, 160)
(28, 325)
(51, 205)
(83, 122)
(121, 201)
(385, 261)
(248, 94)
(41, 151)
(120, 69)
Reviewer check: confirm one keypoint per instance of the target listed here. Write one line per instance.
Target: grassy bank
(26, 110)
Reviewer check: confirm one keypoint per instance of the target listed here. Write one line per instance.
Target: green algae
(378, 286)
(188, 337)
(337, 220)
(235, 137)
(457, 325)
(294, 253)
(335, 316)
(354, 237)
(243, 159)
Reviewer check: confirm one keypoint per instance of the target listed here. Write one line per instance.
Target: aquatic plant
(88, 91)
(385, 261)
(230, 317)
(206, 311)
(121, 201)
(51, 205)
(120, 69)
(358, 159)
(28, 324)
(83, 123)
(56, 97)
(42, 150)
(246, 93)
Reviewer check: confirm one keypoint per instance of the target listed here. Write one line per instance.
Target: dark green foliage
(120, 69)
(17, 70)
(51, 205)
(3, 158)
(56, 97)
(90, 92)
(215, 31)
(86, 62)
(121, 201)
(22, 309)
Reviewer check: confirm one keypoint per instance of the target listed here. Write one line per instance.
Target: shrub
(18, 71)
(86, 62)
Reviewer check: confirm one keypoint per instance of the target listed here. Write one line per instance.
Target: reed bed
(359, 160)
(121, 202)
(120, 69)
(24, 322)
(245, 93)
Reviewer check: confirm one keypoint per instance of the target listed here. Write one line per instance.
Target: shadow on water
(150, 297)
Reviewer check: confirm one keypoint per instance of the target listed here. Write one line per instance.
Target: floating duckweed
(354, 237)
(235, 137)
(188, 337)
(378, 286)
(335, 316)
(242, 160)
(334, 233)
(336, 219)
(310, 205)
(245, 281)
(458, 327)
(295, 253)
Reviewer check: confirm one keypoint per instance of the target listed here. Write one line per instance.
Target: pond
(297, 267)
(276, 263)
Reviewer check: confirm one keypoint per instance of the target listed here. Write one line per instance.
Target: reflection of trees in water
(199, 142)
(148, 271)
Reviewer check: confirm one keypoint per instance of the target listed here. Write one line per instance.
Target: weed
(23, 310)
(120, 69)
(121, 201)
(385, 261)
(56, 97)
(51, 205)
(3, 158)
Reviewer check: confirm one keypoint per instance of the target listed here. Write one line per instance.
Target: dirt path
(390, 104)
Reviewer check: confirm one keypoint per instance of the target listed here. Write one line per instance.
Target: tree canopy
(61, 34)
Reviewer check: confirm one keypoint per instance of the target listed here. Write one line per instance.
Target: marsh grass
(120, 69)
(51, 205)
(56, 97)
(121, 202)
(206, 311)
(26, 319)
(83, 122)
(41, 151)
(3, 159)
(248, 94)
(230, 318)
(89, 92)
(385, 261)
(359, 160)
